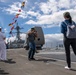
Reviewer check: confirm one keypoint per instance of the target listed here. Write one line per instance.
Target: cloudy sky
(45, 13)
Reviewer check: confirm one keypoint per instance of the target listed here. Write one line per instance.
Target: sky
(47, 14)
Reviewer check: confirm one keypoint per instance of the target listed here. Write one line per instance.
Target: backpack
(71, 30)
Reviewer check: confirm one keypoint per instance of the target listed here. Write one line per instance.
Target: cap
(32, 28)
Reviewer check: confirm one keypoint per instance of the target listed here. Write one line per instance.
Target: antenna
(18, 32)
(18, 42)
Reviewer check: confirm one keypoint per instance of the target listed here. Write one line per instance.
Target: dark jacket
(64, 26)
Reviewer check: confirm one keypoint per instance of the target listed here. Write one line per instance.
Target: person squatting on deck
(68, 28)
(32, 34)
(2, 46)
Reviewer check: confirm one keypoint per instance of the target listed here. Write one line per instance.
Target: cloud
(1, 22)
(53, 39)
(48, 7)
(5, 30)
(51, 20)
(53, 13)
(48, 20)
(11, 39)
(22, 36)
(52, 6)
(13, 10)
(48, 37)
(32, 13)
(48, 14)
(3, 0)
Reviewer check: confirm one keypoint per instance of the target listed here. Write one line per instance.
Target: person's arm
(36, 34)
(3, 36)
(74, 23)
(63, 29)
(30, 32)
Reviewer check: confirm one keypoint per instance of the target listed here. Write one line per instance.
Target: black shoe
(29, 59)
(33, 59)
(3, 60)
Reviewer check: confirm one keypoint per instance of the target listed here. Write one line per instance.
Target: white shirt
(1, 37)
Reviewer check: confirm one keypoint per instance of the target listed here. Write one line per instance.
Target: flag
(10, 32)
(12, 28)
(19, 10)
(15, 21)
(23, 4)
(16, 16)
(10, 24)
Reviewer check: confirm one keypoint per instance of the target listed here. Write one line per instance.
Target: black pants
(67, 43)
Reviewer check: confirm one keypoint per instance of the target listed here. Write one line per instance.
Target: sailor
(2, 46)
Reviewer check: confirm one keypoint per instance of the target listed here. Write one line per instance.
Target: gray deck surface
(45, 64)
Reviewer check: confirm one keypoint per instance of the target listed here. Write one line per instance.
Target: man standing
(2, 47)
(32, 34)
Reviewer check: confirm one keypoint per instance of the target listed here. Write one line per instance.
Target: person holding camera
(32, 34)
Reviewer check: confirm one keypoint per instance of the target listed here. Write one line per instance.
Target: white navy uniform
(2, 47)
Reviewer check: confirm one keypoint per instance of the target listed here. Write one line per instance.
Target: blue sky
(45, 13)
